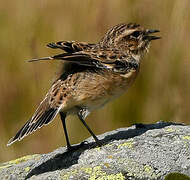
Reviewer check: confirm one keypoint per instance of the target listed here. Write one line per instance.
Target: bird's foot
(76, 147)
(99, 143)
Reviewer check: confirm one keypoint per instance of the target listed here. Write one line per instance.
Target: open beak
(151, 37)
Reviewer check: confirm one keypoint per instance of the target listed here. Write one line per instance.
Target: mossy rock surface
(138, 152)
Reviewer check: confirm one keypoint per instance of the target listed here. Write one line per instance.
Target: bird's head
(131, 38)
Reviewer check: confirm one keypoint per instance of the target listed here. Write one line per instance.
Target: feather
(37, 121)
(70, 46)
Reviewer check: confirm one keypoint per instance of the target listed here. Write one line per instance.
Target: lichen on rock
(139, 152)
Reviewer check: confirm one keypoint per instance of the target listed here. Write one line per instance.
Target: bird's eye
(136, 34)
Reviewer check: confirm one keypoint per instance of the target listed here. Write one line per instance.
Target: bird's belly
(98, 89)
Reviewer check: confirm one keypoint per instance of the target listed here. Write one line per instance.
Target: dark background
(161, 91)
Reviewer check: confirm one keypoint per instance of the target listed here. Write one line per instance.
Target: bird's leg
(63, 117)
(69, 147)
(82, 115)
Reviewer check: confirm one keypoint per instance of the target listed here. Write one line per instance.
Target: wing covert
(70, 46)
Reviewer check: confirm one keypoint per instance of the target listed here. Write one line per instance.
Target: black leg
(82, 114)
(63, 116)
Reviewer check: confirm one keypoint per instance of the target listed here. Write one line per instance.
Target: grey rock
(138, 152)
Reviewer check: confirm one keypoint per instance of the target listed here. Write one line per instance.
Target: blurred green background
(161, 91)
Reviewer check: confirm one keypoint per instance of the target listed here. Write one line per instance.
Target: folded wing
(89, 55)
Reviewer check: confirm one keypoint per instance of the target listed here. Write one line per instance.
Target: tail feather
(33, 124)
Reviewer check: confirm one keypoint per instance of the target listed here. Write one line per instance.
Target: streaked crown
(128, 37)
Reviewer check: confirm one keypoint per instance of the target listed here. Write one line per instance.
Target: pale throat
(140, 54)
(137, 57)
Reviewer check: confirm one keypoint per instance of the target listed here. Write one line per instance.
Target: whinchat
(93, 75)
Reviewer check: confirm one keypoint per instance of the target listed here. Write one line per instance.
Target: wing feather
(70, 46)
(43, 115)
(89, 55)
(29, 127)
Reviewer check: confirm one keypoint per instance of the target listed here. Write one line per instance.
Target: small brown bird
(93, 75)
